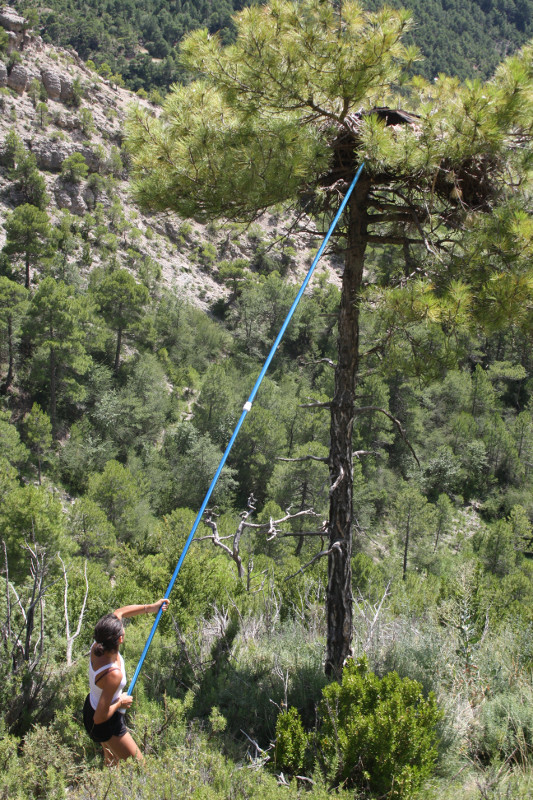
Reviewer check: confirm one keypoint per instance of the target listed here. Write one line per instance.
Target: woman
(106, 703)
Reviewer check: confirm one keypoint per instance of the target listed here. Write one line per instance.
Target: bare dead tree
(272, 528)
(71, 637)
(369, 614)
(6, 627)
(23, 638)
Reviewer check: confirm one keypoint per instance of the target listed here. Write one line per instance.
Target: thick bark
(339, 599)
(118, 349)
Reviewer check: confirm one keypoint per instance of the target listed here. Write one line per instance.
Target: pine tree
(57, 321)
(308, 92)
(12, 303)
(39, 433)
(28, 235)
(121, 300)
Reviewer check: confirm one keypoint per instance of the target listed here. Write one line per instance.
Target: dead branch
(337, 481)
(371, 619)
(271, 528)
(359, 453)
(71, 638)
(335, 546)
(215, 538)
(327, 361)
(364, 409)
(8, 604)
(323, 459)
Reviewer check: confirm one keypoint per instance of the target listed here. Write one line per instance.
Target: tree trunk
(53, 391)
(339, 601)
(11, 361)
(117, 351)
(406, 547)
(27, 280)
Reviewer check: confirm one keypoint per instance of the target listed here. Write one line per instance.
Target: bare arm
(106, 708)
(135, 611)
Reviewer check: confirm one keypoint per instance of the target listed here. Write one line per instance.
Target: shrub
(74, 168)
(291, 742)
(377, 735)
(504, 729)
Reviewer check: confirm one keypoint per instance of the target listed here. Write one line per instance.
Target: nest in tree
(468, 185)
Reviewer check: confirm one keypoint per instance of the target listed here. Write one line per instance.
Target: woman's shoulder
(110, 678)
(97, 662)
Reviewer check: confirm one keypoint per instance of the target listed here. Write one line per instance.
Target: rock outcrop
(67, 89)
(11, 21)
(52, 83)
(50, 155)
(3, 74)
(15, 25)
(75, 197)
(18, 79)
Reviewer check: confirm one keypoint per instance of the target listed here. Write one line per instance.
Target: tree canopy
(305, 94)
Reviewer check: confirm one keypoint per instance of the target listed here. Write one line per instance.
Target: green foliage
(291, 742)
(31, 514)
(12, 450)
(117, 492)
(377, 734)
(121, 300)
(505, 729)
(74, 168)
(39, 434)
(57, 322)
(29, 184)
(4, 39)
(28, 235)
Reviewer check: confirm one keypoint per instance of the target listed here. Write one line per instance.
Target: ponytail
(107, 633)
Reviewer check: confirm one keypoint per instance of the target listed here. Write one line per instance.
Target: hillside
(139, 39)
(129, 342)
(39, 106)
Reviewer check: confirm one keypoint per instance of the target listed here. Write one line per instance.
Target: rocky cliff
(59, 107)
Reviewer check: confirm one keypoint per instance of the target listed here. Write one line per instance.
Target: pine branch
(323, 459)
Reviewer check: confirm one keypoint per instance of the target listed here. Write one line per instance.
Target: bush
(291, 742)
(505, 729)
(74, 168)
(377, 735)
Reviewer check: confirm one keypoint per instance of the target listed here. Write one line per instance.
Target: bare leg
(109, 758)
(123, 747)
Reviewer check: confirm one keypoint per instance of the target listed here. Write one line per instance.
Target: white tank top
(94, 689)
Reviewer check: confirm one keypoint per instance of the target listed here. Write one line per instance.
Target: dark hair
(107, 633)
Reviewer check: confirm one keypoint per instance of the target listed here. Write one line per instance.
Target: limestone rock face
(10, 20)
(50, 155)
(70, 196)
(52, 83)
(3, 74)
(67, 92)
(18, 78)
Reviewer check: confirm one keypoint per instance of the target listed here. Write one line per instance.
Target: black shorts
(114, 726)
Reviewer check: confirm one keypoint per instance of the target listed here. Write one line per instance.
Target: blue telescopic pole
(246, 408)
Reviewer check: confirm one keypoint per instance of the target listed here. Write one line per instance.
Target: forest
(139, 39)
(118, 396)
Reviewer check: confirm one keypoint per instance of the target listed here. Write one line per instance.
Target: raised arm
(135, 611)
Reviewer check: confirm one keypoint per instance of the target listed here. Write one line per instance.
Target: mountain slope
(139, 39)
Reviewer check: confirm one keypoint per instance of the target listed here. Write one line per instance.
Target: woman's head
(107, 634)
